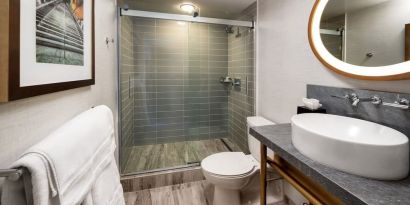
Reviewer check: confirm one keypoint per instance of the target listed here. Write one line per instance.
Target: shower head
(238, 34)
(229, 29)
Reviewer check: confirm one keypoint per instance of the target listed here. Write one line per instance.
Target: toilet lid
(228, 164)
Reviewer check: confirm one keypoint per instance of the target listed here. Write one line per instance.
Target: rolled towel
(312, 104)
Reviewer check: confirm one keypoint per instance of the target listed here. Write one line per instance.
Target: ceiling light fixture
(187, 7)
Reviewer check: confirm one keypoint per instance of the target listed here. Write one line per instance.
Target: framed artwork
(50, 47)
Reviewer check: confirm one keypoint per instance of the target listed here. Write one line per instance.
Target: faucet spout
(354, 99)
(355, 102)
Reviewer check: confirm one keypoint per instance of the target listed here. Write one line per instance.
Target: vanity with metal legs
(318, 183)
(309, 189)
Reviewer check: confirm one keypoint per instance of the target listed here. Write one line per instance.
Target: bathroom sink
(351, 145)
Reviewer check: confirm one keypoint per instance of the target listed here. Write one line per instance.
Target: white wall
(378, 29)
(25, 122)
(285, 62)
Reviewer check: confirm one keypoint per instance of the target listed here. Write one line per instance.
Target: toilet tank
(253, 143)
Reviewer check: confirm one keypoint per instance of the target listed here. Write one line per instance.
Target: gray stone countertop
(351, 189)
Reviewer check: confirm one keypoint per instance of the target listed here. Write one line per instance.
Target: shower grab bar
(11, 174)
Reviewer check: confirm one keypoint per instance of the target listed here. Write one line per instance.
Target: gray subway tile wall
(175, 81)
(241, 64)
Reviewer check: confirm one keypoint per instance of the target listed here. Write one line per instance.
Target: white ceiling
(228, 9)
(338, 7)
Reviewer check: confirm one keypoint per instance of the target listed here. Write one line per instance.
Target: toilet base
(226, 196)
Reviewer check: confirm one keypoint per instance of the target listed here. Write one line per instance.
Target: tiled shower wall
(241, 65)
(126, 73)
(175, 81)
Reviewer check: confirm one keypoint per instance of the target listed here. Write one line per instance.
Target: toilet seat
(229, 165)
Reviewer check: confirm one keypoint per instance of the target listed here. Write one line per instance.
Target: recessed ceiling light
(187, 7)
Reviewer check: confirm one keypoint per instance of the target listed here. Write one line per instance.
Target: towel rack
(11, 174)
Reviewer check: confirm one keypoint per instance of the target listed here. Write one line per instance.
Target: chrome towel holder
(11, 174)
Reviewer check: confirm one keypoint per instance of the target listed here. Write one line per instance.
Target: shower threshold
(172, 156)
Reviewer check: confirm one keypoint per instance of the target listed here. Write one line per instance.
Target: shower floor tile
(159, 156)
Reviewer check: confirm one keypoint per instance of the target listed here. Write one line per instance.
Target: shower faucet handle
(226, 80)
(237, 82)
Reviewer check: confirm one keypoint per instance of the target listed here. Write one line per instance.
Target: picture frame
(48, 47)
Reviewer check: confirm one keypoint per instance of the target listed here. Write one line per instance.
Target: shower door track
(175, 168)
(179, 17)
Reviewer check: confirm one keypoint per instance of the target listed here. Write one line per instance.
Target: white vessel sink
(354, 146)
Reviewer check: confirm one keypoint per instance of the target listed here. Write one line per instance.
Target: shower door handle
(129, 86)
(247, 84)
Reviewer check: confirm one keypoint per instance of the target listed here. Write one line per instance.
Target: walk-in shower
(174, 111)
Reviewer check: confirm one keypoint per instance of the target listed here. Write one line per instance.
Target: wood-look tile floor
(193, 193)
(158, 156)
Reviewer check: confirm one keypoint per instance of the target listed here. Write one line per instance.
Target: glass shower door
(174, 110)
(206, 99)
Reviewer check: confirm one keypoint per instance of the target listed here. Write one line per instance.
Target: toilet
(229, 172)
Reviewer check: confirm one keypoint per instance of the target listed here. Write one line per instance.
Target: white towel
(107, 189)
(66, 166)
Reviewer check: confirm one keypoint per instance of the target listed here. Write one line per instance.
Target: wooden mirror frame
(399, 71)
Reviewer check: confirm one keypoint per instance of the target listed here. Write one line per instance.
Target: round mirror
(365, 39)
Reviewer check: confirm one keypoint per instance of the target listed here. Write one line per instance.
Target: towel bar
(11, 174)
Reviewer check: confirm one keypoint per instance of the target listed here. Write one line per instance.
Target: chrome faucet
(355, 99)
(375, 100)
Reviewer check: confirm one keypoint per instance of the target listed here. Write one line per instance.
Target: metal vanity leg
(263, 175)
